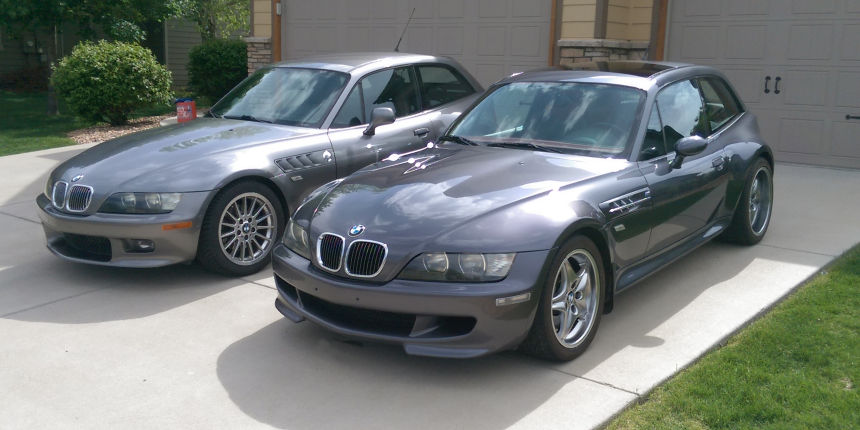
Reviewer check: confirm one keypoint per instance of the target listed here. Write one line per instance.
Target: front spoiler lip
(496, 328)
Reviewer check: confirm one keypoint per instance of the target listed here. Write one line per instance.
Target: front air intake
(330, 251)
(365, 258)
(79, 198)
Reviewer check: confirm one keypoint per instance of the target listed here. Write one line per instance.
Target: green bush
(106, 81)
(216, 66)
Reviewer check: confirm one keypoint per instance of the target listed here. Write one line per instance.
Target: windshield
(579, 118)
(282, 95)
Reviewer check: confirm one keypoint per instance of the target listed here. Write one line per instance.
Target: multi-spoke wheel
(571, 304)
(752, 215)
(240, 229)
(248, 225)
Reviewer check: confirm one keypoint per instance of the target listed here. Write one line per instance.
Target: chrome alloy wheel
(575, 298)
(761, 201)
(247, 228)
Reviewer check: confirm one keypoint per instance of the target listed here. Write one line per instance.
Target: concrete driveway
(93, 347)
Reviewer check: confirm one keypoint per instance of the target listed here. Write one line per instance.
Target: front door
(686, 198)
(393, 88)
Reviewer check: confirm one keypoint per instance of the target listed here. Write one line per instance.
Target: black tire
(544, 340)
(255, 234)
(748, 225)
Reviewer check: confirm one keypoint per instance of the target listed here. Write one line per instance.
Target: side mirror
(686, 147)
(379, 116)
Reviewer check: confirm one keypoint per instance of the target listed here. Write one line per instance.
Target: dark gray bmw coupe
(558, 189)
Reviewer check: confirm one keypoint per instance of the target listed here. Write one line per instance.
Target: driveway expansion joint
(73, 296)
(20, 218)
(605, 384)
(800, 250)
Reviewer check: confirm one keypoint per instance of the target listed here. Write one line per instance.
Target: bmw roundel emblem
(77, 178)
(356, 230)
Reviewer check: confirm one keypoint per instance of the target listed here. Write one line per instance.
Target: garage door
(492, 38)
(796, 64)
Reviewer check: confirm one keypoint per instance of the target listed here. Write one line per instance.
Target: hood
(119, 161)
(423, 196)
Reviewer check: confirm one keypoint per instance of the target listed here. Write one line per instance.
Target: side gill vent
(304, 161)
(627, 203)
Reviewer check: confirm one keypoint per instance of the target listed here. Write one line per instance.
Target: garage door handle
(766, 82)
(776, 85)
(849, 116)
(422, 131)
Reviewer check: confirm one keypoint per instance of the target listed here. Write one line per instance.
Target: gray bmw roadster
(220, 188)
(557, 190)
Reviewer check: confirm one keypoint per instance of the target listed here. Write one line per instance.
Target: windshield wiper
(526, 145)
(457, 139)
(247, 118)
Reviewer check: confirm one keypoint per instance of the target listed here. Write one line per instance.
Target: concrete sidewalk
(94, 347)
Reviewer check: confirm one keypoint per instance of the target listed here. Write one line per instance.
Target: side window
(720, 103)
(682, 112)
(394, 88)
(351, 114)
(654, 145)
(441, 85)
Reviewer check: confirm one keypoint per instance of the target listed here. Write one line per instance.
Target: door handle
(718, 162)
(849, 116)
(766, 82)
(776, 85)
(421, 131)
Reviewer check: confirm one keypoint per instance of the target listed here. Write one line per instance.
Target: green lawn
(796, 368)
(24, 126)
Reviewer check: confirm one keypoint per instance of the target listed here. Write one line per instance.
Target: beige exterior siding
(262, 10)
(629, 20)
(577, 19)
(180, 36)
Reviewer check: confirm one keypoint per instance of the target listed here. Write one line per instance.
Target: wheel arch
(593, 231)
(263, 180)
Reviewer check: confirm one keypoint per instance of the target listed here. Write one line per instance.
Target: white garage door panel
(812, 46)
(492, 38)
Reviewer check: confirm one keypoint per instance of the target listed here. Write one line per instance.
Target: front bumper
(103, 239)
(440, 319)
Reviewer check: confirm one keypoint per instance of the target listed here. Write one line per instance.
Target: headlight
(141, 203)
(296, 239)
(440, 266)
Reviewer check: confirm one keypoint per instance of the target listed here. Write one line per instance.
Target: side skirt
(636, 272)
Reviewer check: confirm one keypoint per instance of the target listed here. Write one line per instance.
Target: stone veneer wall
(259, 52)
(581, 50)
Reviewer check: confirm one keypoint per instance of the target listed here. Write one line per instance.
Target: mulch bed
(100, 133)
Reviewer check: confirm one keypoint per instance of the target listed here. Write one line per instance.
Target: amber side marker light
(176, 226)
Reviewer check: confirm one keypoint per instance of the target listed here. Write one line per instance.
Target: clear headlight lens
(141, 203)
(447, 267)
(296, 239)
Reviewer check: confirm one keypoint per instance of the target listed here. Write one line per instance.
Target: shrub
(106, 81)
(216, 66)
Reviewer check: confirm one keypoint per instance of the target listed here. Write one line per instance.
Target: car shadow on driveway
(301, 376)
(38, 286)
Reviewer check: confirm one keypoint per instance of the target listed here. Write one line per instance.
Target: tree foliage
(216, 19)
(106, 81)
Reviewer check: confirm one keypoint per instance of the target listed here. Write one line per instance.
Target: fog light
(512, 300)
(139, 245)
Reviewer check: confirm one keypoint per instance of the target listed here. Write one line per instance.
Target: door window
(720, 103)
(441, 85)
(393, 88)
(682, 112)
(351, 114)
